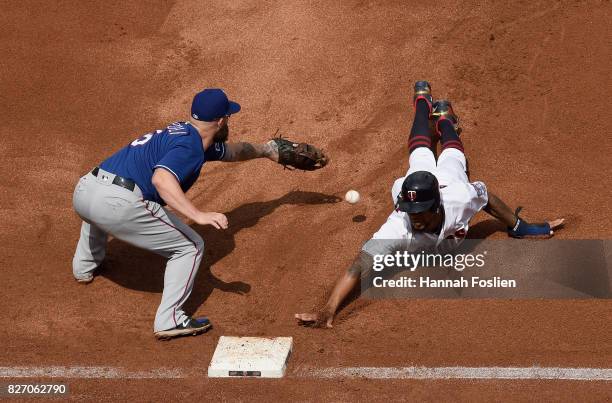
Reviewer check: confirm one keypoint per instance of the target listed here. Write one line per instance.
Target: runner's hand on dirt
(217, 220)
(322, 319)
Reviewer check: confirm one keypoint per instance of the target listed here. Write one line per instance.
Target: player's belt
(119, 181)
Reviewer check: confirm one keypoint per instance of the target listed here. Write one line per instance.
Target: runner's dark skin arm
(500, 210)
(347, 283)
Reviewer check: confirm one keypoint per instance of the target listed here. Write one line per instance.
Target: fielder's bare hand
(217, 220)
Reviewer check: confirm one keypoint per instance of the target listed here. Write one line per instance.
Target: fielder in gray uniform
(126, 197)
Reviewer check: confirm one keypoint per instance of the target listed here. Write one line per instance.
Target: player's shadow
(140, 270)
(484, 229)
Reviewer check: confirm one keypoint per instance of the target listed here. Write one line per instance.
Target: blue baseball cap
(212, 104)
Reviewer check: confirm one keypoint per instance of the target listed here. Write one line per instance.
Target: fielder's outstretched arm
(517, 227)
(343, 287)
(285, 152)
(244, 151)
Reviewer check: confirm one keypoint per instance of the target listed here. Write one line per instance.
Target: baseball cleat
(189, 326)
(422, 90)
(443, 110)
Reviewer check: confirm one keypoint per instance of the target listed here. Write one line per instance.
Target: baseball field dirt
(529, 79)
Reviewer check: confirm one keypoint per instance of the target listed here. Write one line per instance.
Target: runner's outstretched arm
(517, 227)
(349, 280)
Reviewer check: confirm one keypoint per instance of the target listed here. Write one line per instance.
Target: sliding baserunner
(434, 202)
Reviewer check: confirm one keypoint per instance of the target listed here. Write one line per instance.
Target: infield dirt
(530, 80)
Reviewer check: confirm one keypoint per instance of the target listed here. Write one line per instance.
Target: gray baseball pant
(106, 208)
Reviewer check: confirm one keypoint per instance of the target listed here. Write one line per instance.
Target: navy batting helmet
(420, 192)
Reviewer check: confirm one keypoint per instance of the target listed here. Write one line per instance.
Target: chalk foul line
(434, 373)
(427, 373)
(90, 373)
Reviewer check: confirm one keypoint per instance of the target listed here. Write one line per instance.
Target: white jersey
(460, 199)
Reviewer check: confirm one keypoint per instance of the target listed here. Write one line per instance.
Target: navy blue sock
(448, 136)
(420, 134)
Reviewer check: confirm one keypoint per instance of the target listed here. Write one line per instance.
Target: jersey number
(144, 139)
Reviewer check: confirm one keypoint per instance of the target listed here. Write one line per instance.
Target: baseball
(352, 196)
